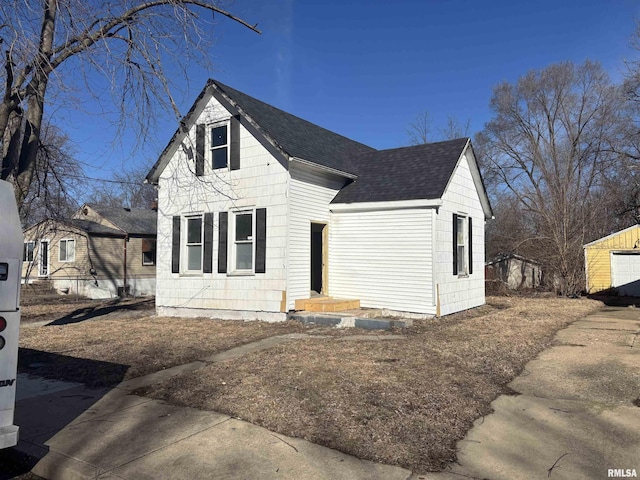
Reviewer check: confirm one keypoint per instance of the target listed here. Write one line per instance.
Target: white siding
(458, 292)
(310, 195)
(261, 182)
(384, 258)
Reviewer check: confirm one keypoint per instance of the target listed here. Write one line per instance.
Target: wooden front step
(327, 304)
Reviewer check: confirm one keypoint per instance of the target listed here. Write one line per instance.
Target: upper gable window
(219, 146)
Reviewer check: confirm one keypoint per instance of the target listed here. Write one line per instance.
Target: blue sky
(365, 69)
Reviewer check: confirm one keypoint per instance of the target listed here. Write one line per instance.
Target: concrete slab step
(339, 320)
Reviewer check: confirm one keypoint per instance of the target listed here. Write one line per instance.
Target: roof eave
(611, 235)
(323, 168)
(477, 180)
(386, 205)
(182, 130)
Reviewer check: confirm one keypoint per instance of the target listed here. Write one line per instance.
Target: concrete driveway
(574, 414)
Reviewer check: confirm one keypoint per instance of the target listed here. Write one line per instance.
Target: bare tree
(420, 129)
(454, 128)
(126, 189)
(549, 148)
(56, 179)
(52, 47)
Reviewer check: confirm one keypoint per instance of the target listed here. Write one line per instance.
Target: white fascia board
(377, 206)
(323, 168)
(477, 179)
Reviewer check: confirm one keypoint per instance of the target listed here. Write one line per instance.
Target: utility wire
(94, 179)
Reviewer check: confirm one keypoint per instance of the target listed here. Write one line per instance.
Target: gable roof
(507, 256)
(296, 136)
(611, 235)
(293, 136)
(408, 173)
(418, 172)
(134, 221)
(94, 227)
(74, 225)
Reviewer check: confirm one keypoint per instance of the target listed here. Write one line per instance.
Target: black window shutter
(200, 134)
(175, 246)
(455, 244)
(261, 239)
(222, 242)
(235, 143)
(470, 248)
(207, 266)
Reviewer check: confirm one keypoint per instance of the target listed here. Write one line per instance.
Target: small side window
(67, 251)
(148, 251)
(27, 255)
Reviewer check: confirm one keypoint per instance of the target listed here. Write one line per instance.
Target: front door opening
(317, 257)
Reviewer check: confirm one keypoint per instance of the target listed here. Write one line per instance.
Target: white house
(259, 208)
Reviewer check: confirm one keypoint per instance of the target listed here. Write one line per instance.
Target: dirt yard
(403, 401)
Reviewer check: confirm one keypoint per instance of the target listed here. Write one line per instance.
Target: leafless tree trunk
(48, 44)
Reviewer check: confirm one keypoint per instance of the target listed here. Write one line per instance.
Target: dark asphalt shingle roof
(134, 221)
(298, 137)
(418, 172)
(408, 173)
(95, 228)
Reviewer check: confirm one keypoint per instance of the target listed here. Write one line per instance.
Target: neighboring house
(100, 252)
(514, 271)
(612, 263)
(259, 208)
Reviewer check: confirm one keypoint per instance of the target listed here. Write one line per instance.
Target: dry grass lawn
(108, 349)
(404, 402)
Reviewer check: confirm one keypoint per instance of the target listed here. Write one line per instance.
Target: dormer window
(219, 146)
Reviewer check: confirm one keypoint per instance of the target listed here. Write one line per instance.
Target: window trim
(153, 252)
(234, 242)
(66, 251)
(184, 244)
(211, 148)
(25, 251)
(462, 220)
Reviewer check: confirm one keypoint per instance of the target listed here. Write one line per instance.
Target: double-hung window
(193, 243)
(67, 251)
(243, 241)
(219, 146)
(461, 242)
(462, 245)
(27, 255)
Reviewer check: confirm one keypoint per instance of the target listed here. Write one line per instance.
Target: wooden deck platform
(327, 304)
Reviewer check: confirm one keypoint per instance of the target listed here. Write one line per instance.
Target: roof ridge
(224, 86)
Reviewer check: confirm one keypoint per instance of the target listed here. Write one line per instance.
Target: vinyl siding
(54, 233)
(383, 258)
(310, 195)
(261, 182)
(458, 292)
(98, 268)
(598, 257)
